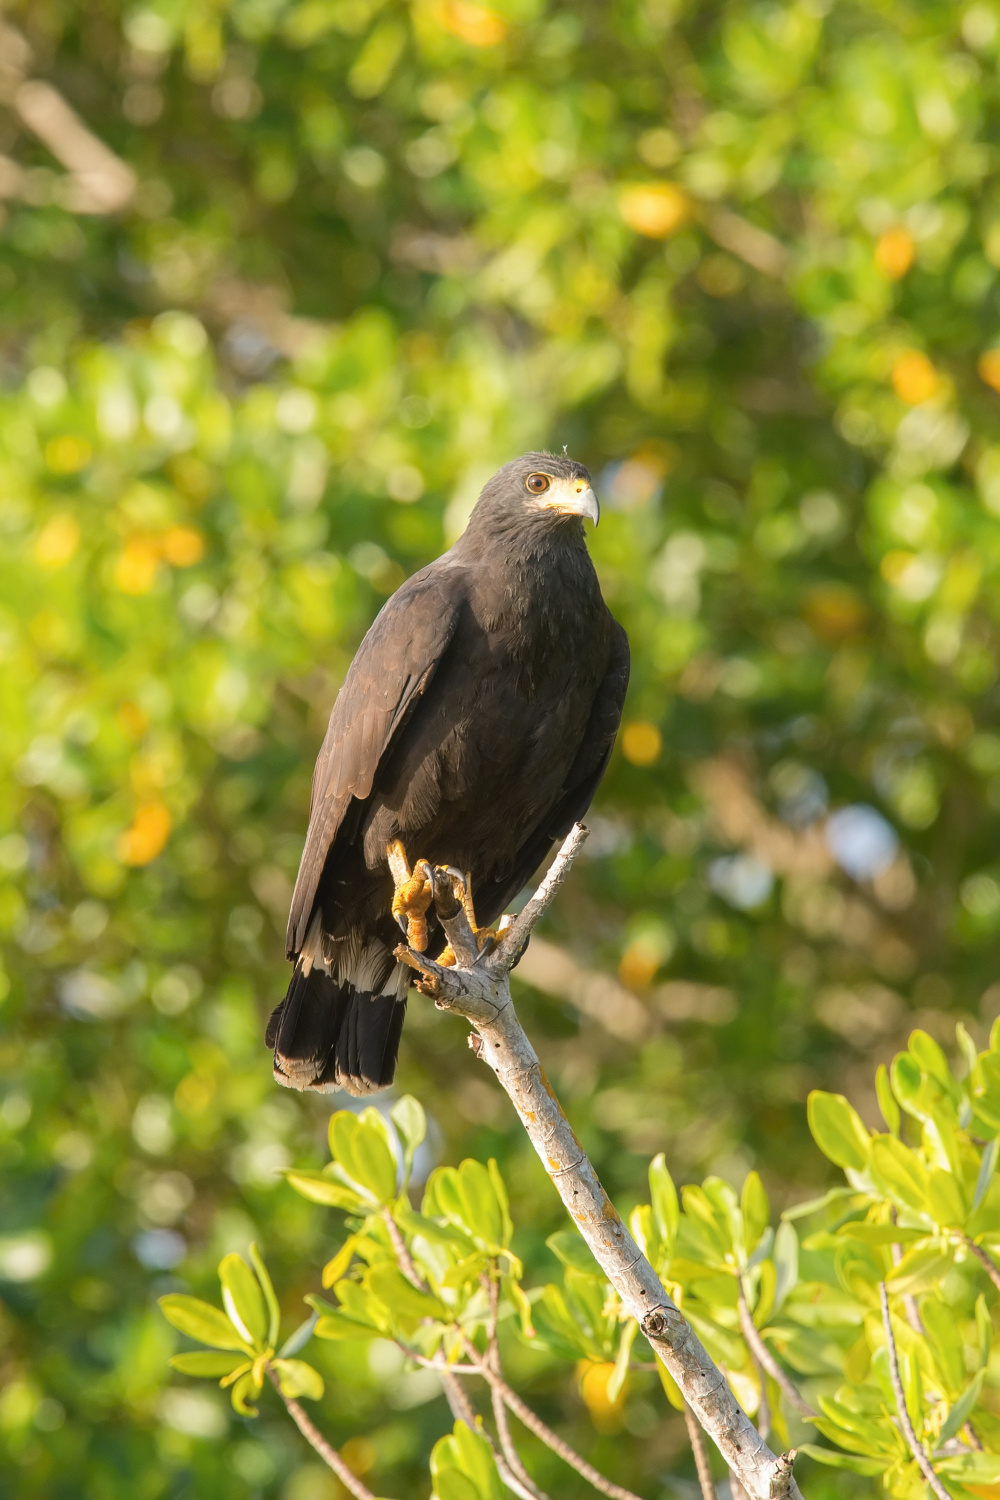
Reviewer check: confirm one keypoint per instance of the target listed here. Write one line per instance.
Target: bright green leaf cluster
(241, 1341)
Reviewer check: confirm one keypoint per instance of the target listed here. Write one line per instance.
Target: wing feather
(581, 783)
(394, 665)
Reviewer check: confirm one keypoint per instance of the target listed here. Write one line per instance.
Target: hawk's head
(538, 488)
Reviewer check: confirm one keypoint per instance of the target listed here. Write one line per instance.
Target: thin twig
(478, 989)
(463, 1411)
(763, 1355)
(551, 1439)
(402, 1252)
(510, 1452)
(316, 1440)
(461, 1408)
(909, 1301)
(986, 1261)
(916, 1446)
(516, 939)
(697, 1440)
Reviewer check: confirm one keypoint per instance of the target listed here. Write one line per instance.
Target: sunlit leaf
(199, 1320)
(243, 1299)
(838, 1130)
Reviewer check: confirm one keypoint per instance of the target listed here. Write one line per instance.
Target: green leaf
(879, 1234)
(241, 1296)
(887, 1100)
(945, 1341)
(319, 1188)
(987, 1167)
(931, 1058)
(442, 1234)
(919, 1269)
(852, 1461)
(337, 1266)
(481, 1210)
(452, 1484)
(296, 1378)
(664, 1202)
(340, 1133)
(337, 1325)
(984, 1330)
(620, 1372)
(559, 1329)
(443, 1198)
(267, 1287)
(464, 1455)
(500, 1190)
(242, 1392)
(970, 1468)
(786, 1261)
(407, 1114)
(207, 1364)
(522, 1306)
(199, 1320)
(837, 1130)
(901, 1172)
(944, 1198)
(906, 1078)
(970, 1051)
(569, 1247)
(374, 1164)
(391, 1287)
(756, 1211)
(963, 1407)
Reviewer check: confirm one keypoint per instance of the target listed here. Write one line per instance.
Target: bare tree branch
(697, 1440)
(478, 988)
(316, 1440)
(764, 1357)
(915, 1445)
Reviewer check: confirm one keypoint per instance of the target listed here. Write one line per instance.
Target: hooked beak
(573, 497)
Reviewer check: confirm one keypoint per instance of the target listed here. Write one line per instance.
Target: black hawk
(472, 730)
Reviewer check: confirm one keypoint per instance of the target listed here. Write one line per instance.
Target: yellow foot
(413, 895)
(485, 936)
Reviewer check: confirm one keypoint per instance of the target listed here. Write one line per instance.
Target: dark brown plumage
(474, 724)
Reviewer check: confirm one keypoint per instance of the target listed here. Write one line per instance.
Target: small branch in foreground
(510, 1452)
(569, 1455)
(478, 988)
(697, 1440)
(316, 1440)
(987, 1262)
(764, 1357)
(463, 1411)
(915, 1445)
(509, 1465)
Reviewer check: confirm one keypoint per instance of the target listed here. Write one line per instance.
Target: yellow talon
(413, 894)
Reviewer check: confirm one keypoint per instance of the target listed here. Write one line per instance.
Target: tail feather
(328, 1034)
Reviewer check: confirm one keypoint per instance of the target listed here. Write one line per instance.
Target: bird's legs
(414, 892)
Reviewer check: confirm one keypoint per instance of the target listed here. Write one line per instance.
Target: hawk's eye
(538, 483)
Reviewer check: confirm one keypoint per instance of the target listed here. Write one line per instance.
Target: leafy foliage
(923, 1220)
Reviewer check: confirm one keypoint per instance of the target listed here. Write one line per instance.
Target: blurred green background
(281, 283)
